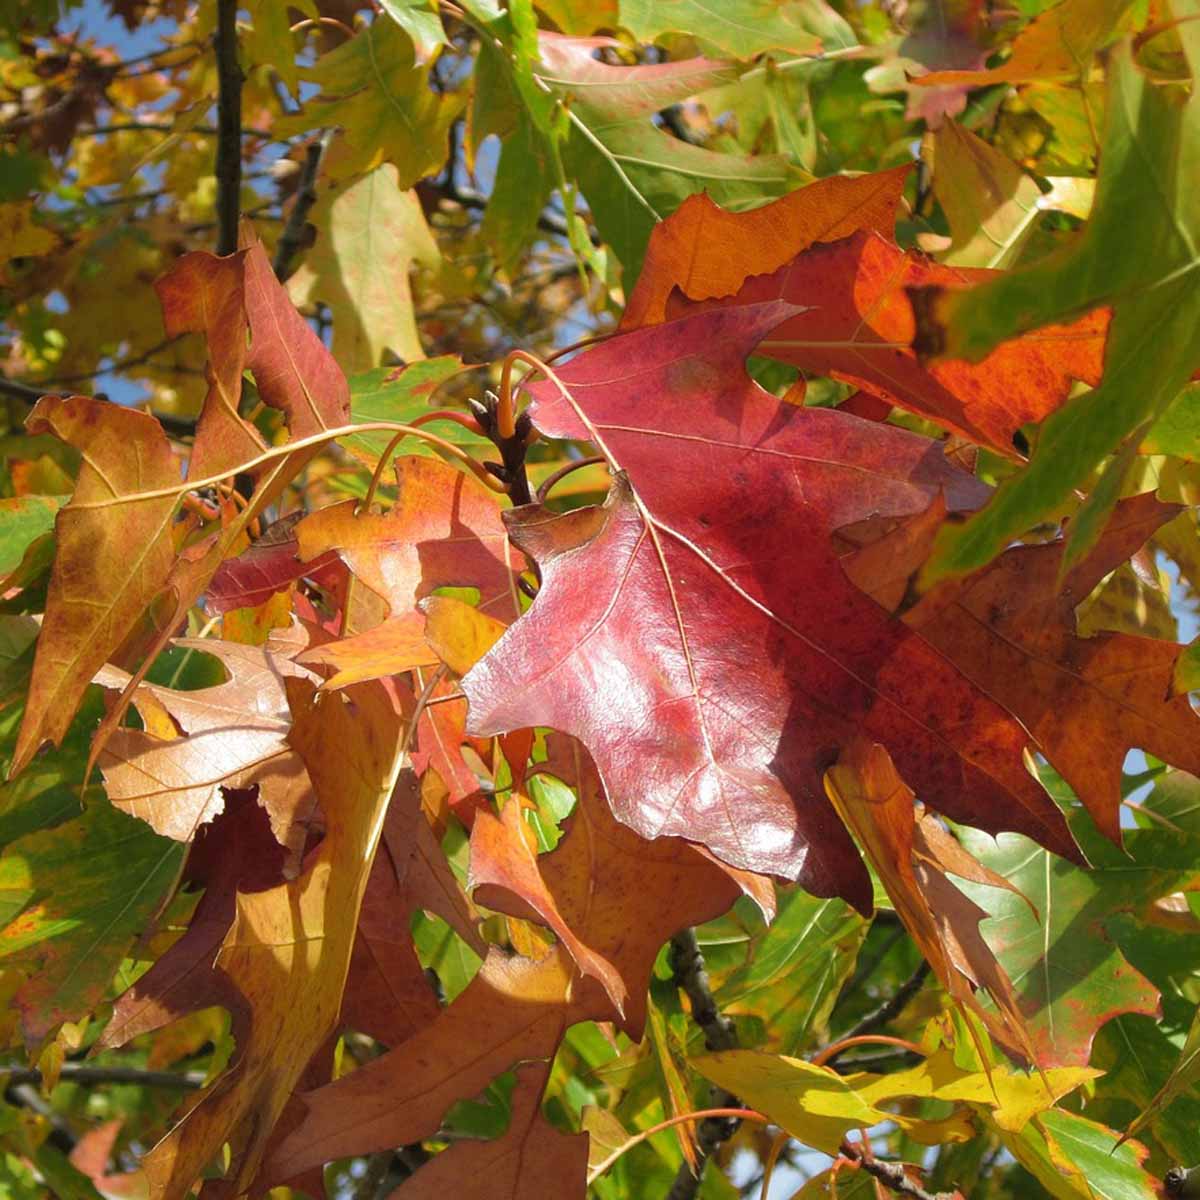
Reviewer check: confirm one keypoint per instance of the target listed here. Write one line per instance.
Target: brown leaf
(531, 1161)
(1085, 701)
(913, 855)
(514, 1010)
(233, 735)
(112, 558)
(289, 949)
(617, 941)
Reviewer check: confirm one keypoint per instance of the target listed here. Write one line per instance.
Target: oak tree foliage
(596, 596)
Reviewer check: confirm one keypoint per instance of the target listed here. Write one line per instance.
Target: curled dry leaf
(231, 736)
(914, 855)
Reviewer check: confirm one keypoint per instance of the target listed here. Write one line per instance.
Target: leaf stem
(831, 1052)
(288, 448)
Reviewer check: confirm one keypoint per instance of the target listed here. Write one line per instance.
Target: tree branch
(891, 1175)
(292, 237)
(86, 1073)
(719, 1034)
(880, 1016)
(229, 127)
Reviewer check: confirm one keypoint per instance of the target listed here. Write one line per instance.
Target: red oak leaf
(857, 325)
(697, 634)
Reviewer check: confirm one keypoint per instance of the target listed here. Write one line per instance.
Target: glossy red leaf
(710, 568)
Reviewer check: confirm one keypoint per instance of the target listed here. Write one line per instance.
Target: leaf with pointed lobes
(710, 570)
(204, 293)
(531, 1161)
(78, 895)
(113, 557)
(1010, 628)
(292, 367)
(387, 996)
(858, 326)
(708, 253)
(395, 646)
(514, 1010)
(288, 951)
(675, 883)
(197, 744)
(444, 530)
(913, 855)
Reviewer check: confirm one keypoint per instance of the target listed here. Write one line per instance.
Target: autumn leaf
(531, 1160)
(289, 948)
(752, 683)
(236, 852)
(1011, 630)
(708, 252)
(1057, 44)
(913, 855)
(444, 529)
(174, 773)
(857, 325)
(92, 605)
(677, 885)
(514, 1010)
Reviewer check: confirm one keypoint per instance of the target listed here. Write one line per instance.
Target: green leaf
(22, 520)
(1138, 253)
(990, 203)
(402, 395)
(632, 173)
(1136, 1055)
(742, 28)
(373, 88)
(794, 969)
(1069, 974)
(370, 234)
(1074, 1157)
(97, 882)
(421, 22)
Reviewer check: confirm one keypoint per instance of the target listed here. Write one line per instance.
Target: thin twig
(891, 1175)
(229, 125)
(292, 237)
(687, 960)
(84, 1073)
(891, 1007)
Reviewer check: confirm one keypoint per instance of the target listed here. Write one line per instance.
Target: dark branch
(292, 237)
(891, 1175)
(83, 1073)
(229, 126)
(891, 1007)
(687, 960)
